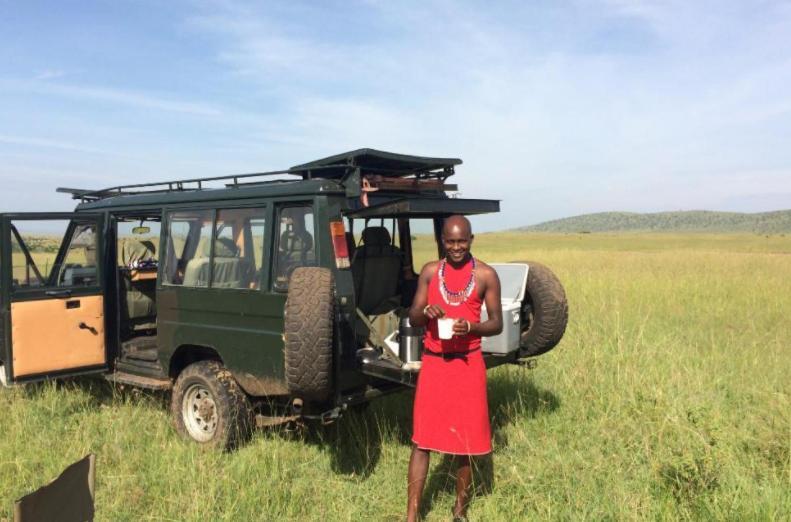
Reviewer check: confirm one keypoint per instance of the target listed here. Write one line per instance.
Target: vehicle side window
(234, 260)
(188, 243)
(238, 248)
(296, 242)
(34, 248)
(79, 263)
(258, 233)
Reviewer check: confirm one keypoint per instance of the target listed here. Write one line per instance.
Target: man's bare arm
(493, 325)
(417, 317)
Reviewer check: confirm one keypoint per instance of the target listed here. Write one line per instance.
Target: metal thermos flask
(410, 341)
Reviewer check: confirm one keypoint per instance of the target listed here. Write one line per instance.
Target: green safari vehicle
(255, 299)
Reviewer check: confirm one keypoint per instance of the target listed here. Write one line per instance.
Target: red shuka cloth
(451, 413)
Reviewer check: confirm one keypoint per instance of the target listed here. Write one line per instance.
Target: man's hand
(434, 312)
(462, 327)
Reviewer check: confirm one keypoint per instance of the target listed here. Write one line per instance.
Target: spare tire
(309, 316)
(545, 311)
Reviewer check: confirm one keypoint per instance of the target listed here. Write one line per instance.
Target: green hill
(776, 222)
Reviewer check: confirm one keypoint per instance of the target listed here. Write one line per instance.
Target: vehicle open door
(51, 296)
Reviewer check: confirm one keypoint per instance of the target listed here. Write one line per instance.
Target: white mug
(445, 327)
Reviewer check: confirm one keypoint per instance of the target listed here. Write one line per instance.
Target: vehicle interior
(137, 260)
(384, 268)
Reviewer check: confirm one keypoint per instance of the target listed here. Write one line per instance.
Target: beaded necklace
(451, 297)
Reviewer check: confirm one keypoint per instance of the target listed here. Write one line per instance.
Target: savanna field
(668, 398)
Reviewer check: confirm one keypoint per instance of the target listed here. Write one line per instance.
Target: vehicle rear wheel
(309, 333)
(545, 311)
(209, 407)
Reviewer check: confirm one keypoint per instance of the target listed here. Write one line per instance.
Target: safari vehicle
(270, 298)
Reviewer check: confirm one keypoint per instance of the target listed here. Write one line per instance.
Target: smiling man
(451, 413)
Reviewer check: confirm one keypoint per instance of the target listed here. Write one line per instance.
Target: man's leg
(418, 469)
(463, 481)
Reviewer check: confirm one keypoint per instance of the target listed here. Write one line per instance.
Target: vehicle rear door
(52, 295)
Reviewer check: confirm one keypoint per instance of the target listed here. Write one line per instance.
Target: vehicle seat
(135, 251)
(376, 269)
(352, 248)
(295, 249)
(230, 270)
(138, 309)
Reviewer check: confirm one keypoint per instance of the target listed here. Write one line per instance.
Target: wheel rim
(528, 315)
(199, 412)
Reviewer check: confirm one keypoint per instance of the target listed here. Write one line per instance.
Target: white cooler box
(513, 285)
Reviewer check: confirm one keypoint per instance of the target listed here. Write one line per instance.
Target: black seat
(376, 268)
(295, 249)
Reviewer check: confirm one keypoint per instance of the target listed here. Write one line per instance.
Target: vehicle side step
(384, 369)
(267, 421)
(150, 383)
(142, 348)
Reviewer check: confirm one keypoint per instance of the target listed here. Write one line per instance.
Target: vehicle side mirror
(139, 231)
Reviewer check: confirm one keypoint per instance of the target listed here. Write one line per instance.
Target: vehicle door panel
(55, 321)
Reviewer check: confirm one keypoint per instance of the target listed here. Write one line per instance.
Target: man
(451, 413)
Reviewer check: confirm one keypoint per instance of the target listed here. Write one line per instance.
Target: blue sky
(557, 108)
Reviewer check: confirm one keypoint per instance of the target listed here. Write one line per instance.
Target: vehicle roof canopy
(379, 162)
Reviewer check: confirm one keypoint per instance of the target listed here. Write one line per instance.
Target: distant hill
(683, 221)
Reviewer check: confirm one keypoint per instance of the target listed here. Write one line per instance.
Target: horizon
(682, 211)
(558, 110)
(46, 230)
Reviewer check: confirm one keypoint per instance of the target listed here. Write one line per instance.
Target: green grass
(668, 398)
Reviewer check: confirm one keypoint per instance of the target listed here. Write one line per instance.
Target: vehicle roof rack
(339, 167)
(179, 185)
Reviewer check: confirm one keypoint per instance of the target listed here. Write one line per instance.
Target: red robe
(451, 413)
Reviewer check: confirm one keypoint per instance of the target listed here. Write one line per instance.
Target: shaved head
(457, 239)
(457, 222)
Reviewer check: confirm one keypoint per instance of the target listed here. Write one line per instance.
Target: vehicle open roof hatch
(380, 162)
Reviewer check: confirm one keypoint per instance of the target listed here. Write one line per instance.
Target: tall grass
(668, 398)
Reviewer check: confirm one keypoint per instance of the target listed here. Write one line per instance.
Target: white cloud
(48, 74)
(589, 128)
(51, 144)
(112, 95)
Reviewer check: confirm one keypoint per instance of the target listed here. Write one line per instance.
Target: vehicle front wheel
(209, 407)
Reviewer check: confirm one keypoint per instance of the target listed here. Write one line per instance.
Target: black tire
(206, 395)
(545, 311)
(309, 333)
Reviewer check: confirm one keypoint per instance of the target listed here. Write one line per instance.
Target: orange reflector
(338, 233)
